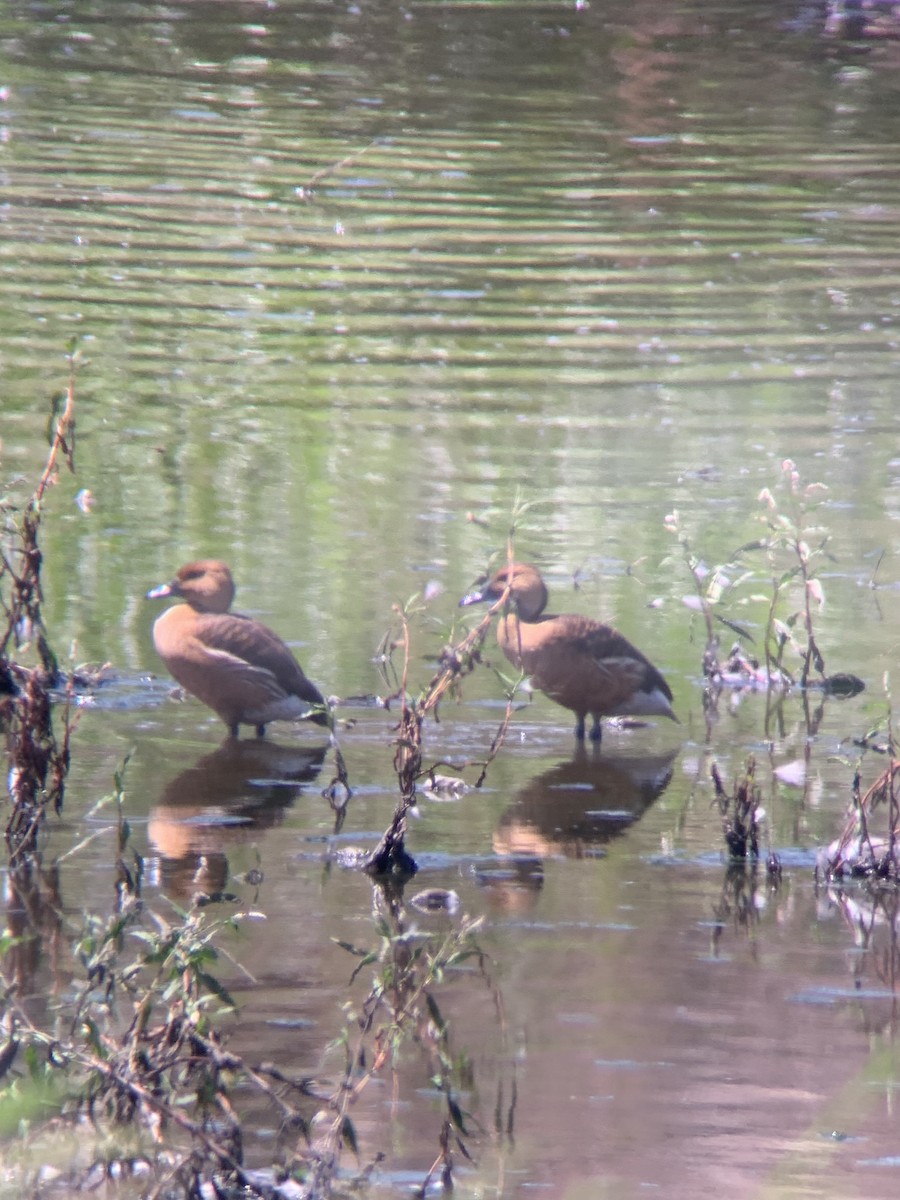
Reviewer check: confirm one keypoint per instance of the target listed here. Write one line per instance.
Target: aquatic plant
(794, 543)
(860, 869)
(38, 759)
(743, 818)
(131, 1044)
(741, 811)
(862, 851)
(458, 658)
(712, 586)
(401, 1007)
(794, 535)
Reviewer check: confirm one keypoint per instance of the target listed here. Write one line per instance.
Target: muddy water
(611, 261)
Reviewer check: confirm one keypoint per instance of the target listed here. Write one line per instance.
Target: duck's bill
(157, 593)
(478, 597)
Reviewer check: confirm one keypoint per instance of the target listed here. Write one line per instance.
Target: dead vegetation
(741, 813)
(859, 873)
(743, 818)
(457, 660)
(38, 756)
(868, 848)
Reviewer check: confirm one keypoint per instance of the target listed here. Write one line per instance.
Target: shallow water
(613, 262)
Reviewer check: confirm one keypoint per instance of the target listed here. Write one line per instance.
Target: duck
(582, 664)
(234, 664)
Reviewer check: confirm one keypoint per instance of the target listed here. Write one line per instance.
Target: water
(348, 276)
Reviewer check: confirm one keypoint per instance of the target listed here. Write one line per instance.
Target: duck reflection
(579, 805)
(225, 798)
(571, 811)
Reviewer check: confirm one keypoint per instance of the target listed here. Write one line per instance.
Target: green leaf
(365, 962)
(348, 1135)
(92, 1037)
(788, 575)
(748, 546)
(217, 989)
(456, 1115)
(350, 948)
(434, 1012)
(740, 630)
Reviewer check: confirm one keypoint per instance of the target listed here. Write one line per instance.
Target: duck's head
(206, 585)
(527, 591)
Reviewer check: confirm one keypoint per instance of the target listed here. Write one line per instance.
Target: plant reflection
(34, 924)
(873, 916)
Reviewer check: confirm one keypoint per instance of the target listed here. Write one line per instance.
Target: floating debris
(792, 773)
(436, 900)
(842, 685)
(350, 858)
(739, 670)
(368, 701)
(444, 787)
(432, 590)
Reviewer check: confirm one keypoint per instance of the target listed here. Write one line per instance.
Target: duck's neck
(509, 635)
(530, 603)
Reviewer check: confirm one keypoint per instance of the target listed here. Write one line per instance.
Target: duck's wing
(591, 667)
(611, 650)
(244, 644)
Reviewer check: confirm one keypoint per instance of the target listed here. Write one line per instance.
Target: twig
(305, 191)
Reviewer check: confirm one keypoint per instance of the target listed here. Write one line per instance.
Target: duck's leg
(596, 731)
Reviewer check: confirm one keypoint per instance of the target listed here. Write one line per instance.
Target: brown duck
(580, 663)
(234, 664)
